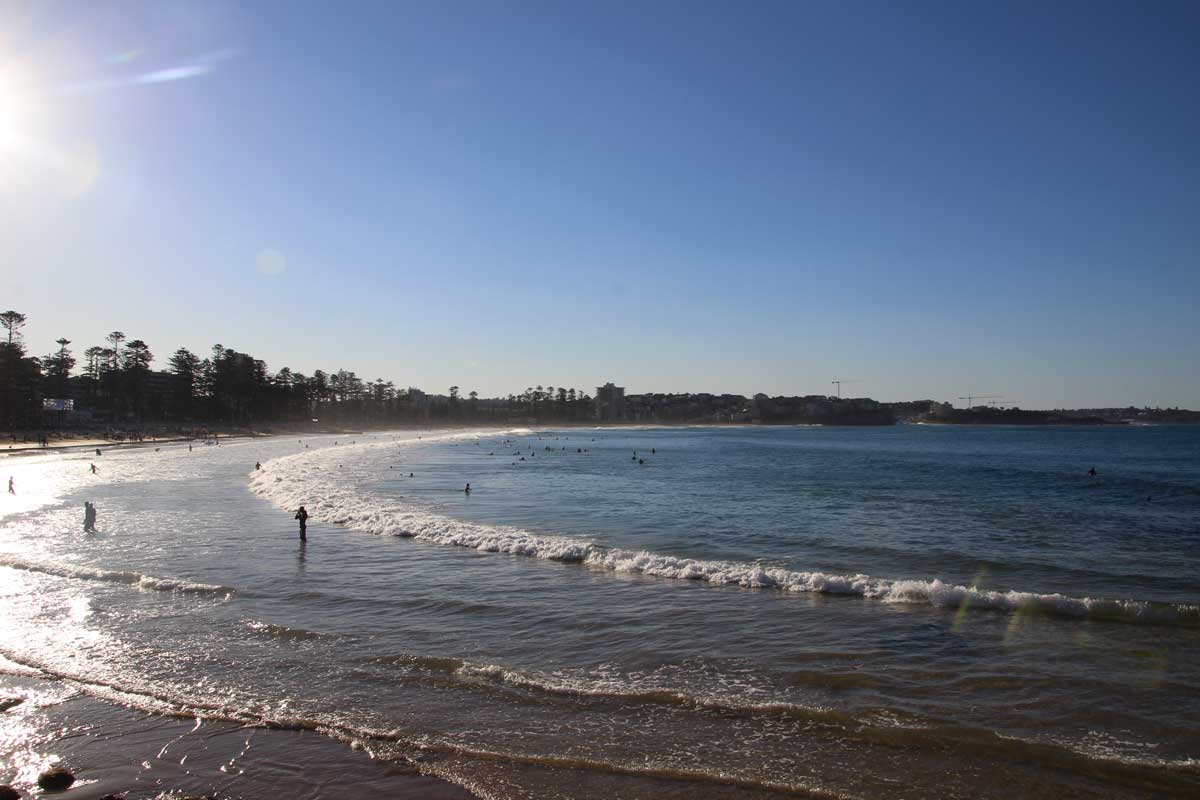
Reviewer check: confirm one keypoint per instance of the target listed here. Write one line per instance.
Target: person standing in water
(11, 488)
(89, 517)
(93, 469)
(302, 515)
(467, 490)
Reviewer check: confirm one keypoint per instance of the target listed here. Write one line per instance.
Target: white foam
(113, 576)
(304, 479)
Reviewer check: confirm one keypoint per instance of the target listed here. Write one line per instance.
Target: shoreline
(113, 749)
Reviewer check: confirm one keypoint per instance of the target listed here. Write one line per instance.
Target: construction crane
(969, 398)
(839, 385)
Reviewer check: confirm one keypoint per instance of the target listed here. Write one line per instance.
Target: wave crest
(129, 578)
(299, 480)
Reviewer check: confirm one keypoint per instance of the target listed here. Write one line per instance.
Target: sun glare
(10, 115)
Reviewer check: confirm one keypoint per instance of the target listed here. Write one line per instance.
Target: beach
(611, 612)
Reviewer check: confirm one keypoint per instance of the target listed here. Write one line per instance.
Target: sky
(928, 199)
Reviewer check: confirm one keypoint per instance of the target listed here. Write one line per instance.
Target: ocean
(735, 612)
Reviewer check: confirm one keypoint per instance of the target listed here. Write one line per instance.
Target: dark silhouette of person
(257, 465)
(11, 488)
(98, 452)
(302, 515)
(1092, 472)
(467, 490)
(89, 517)
(93, 469)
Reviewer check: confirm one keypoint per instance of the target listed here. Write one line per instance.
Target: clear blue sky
(931, 198)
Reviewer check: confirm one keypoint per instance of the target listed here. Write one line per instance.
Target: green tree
(57, 367)
(186, 366)
(13, 321)
(137, 364)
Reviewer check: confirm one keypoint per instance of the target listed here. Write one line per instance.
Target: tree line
(116, 385)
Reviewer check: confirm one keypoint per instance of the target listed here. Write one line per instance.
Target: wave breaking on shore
(303, 479)
(137, 579)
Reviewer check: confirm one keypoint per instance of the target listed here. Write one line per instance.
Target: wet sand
(112, 749)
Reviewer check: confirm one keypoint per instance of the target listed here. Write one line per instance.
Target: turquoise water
(734, 612)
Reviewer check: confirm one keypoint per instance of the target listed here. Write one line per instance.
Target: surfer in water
(302, 516)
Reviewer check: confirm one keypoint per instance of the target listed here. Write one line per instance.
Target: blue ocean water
(649, 612)
(1004, 508)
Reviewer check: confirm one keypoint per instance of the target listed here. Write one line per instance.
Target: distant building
(610, 403)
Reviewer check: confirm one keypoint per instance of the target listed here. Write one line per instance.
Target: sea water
(648, 612)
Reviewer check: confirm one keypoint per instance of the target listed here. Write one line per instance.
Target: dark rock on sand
(9, 793)
(56, 779)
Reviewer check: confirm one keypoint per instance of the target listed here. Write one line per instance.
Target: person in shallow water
(467, 490)
(11, 489)
(1092, 472)
(302, 515)
(89, 517)
(257, 465)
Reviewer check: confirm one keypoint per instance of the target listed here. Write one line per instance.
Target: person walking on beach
(302, 515)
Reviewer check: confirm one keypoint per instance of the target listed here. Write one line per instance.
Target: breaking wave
(301, 479)
(149, 582)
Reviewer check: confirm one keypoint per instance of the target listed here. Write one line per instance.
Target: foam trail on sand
(114, 576)
(304, 479)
